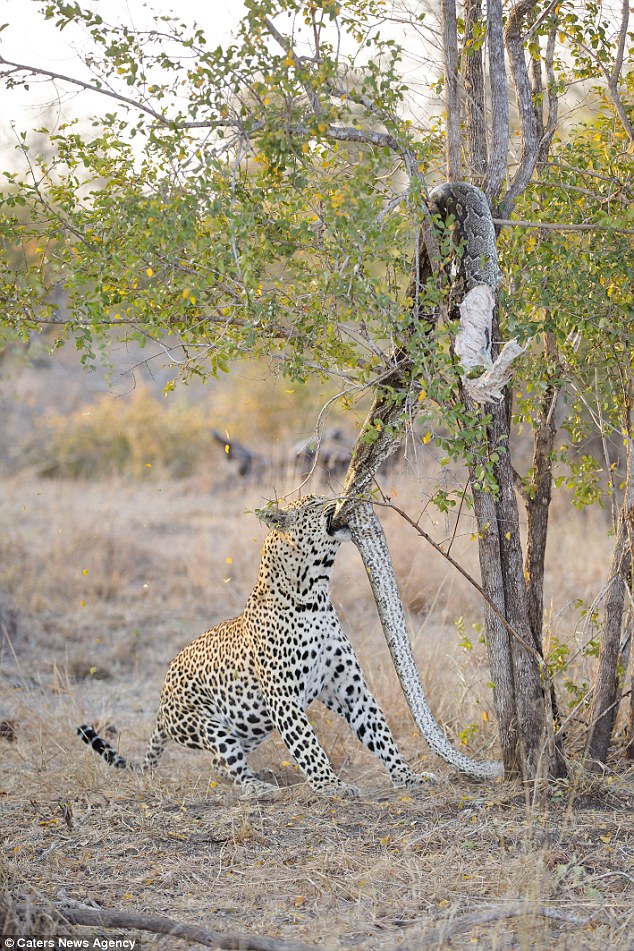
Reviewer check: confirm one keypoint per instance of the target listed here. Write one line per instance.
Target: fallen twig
(438, 937)
(157, 924)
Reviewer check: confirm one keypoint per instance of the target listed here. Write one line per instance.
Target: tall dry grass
(109, 577)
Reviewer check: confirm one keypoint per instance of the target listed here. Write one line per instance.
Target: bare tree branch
(612, 77)
(552, 226)
(157, 924)
(615, 75)
(474, 86)
(499, 144)
(89, 87)
(551, 92)
(442, 935)
(387, 503)
(452, 94)
(524, 97)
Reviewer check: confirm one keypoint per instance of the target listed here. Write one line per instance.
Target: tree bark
(629, 749)
(525, 105)
(497, 637)
(537, 503)
(606, 692)
(529, 690)
(539, 494)
(499, 142)
(474, 86)
(452, 93)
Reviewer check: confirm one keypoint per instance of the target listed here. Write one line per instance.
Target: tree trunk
(529, 691)
(629, 749)
(537, 499)
(537, 503)
(515, 669)
(474, 86)
(606, 694)
(452, 93)
(497, 636)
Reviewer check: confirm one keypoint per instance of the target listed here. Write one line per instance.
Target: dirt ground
(102, 583)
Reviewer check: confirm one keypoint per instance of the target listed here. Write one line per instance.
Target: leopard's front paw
(407, 777)
(258, 789)
(339, 789)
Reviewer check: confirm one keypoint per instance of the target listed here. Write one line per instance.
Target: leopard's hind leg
(216, 735)
(156, 745)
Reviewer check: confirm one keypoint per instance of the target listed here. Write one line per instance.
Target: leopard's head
(307, 520)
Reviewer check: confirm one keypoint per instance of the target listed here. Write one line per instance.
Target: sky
(28, 38)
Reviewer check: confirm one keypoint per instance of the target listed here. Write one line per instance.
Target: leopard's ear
(276, 518)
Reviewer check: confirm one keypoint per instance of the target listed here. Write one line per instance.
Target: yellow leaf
(85, 571)
(128, 896)
(422, 396)
(149, 272)
(427, 438)
(508, 536)
(606, 838)
(227, 448)
(485, 716)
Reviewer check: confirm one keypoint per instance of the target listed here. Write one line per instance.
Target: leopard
(230, 688)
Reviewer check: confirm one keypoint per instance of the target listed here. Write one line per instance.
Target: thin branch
(287, 46)
(458, 514)
(551, 226)
(618, 60)
(542, 16)
(387, 503)
(611, 78)
(442, 935)
(351, 134)
(157, 924)
(89, 87)
(553, 98)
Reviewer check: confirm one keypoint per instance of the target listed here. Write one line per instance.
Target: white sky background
(32, 40)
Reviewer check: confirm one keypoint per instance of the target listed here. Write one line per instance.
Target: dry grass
(109, 580)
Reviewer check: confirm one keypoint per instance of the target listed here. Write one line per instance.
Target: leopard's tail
(101, 746)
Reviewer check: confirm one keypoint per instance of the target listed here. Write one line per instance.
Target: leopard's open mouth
(329, 517)
(330, 528)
